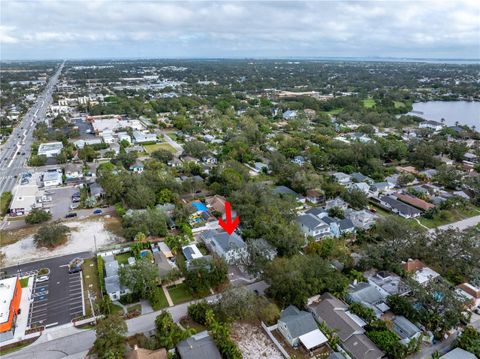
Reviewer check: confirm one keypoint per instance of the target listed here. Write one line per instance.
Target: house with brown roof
(414, 201)
(216, 203)
(470, 292)
(140, 353)
(334, 313)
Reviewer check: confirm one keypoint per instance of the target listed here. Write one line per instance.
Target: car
(75, 265)
(42, 278)
(97, 211)
(71, 215)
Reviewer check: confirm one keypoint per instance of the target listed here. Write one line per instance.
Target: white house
(313, 226)
(50, 149)
(143, 137)
(230, 247)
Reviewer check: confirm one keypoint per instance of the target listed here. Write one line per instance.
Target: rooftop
(7, 289)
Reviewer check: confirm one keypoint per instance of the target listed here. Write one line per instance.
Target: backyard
(158, 146)
(180, 293)
(123, 257)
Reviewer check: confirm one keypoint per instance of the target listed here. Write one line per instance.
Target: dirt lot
(80, 239)
(253, 342)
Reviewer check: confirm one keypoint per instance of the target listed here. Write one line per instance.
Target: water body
(465, 112)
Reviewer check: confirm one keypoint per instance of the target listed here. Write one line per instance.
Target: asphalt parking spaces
(57, 302)
(59, 299)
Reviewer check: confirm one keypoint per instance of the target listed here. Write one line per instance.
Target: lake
(465, 112)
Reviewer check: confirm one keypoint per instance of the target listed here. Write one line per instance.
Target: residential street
(461, 225)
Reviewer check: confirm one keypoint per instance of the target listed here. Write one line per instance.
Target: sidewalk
(167, 295)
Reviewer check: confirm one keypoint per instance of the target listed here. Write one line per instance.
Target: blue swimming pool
(199, 206)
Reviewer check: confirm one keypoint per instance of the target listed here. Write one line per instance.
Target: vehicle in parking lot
(71, 215)
(42, 278)
(75, 265)
(97, 211)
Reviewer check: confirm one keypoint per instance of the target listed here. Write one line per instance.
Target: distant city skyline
(239, 29)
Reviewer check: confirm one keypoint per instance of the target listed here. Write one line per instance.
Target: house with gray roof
(284, 191)
(358, 177)
(459, 353)
(405, 329)
(388, 284)
(198, 346)
(313, 226)
(366, 294)
(342, 178)
(230, 247)
(299, 327)
(402, 209)
(334, 313)
(112, 281)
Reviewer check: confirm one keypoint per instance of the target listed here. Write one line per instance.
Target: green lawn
(369, 103)
(116, 309)
(24, 282)
(398, 104)
(172, 135)
(157, 146)
(123, 258)
(162, 300)
(90, 282)
(180, 293)
(449, 216)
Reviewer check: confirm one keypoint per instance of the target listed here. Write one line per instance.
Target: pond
(465, 112)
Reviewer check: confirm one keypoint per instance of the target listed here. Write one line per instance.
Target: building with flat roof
(24, 199)
(10, 296)
(52, 178)
(50, 149)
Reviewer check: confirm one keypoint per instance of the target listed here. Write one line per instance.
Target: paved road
(172, 143)
(78, 343)
(16, 150)
(461, 225)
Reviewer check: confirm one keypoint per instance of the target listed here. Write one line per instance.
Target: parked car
(75, 265)
(71, 215)
(97, 211)
(42, 278)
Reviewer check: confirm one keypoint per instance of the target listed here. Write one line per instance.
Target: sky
(75, 29)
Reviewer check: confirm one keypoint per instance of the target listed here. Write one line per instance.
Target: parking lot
(56, 303)
(61, 201)
(59, 299)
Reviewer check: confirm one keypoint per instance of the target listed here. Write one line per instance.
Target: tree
(51, 235)
(142, 278)
(439, 307)
(195, 149)
(394, 239)
(448, 176)
(37, 215)
(204, 274)
(293, 280)
(168, 333)
(87, 153)
(362, 311)
(336, 212)
(151, 222)
(236, 303)
(356, 198)
(162, 155)
(469, 340)
(37, 160)
(111, 335)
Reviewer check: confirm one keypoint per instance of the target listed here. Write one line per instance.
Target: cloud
(240, 28)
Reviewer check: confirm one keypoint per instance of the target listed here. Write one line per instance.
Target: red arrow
(229, 226)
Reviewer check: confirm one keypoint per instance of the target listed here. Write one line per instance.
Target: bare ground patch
(253, 342)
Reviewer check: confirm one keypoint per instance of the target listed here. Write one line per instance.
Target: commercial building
(24, 199)
(50, 149)
(52, 178)
(10, 296)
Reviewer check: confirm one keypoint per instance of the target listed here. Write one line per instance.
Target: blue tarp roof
(199, 206)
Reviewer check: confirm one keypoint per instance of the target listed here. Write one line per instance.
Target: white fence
(268, 330)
